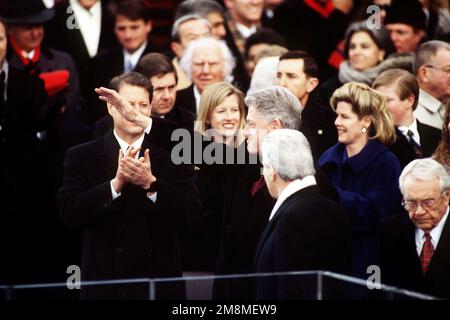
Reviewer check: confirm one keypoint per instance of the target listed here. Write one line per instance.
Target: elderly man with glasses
(415, 248)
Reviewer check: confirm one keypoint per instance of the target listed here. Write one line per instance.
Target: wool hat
(408, 12)
(26, 12)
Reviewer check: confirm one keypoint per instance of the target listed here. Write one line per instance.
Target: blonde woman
(361, 168)
(221, 115)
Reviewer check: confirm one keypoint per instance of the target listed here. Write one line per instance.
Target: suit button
(119, 250)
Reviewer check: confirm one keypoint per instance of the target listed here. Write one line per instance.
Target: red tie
(257, 185)
(427, 253)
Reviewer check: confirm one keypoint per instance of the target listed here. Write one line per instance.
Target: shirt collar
(428, 101)
(28, 55)
(124, 145)
(292, 188)
(5, 68)
(95, 9)
(413, 127)
(244, 30)
(197, 96)
(134, 57)
(435, 233)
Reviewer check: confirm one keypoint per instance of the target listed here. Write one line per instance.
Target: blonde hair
(211, 97)
(365, 101)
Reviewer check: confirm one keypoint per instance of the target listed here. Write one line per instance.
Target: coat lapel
(442, 251)
(109, 155)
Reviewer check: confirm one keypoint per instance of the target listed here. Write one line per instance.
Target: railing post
(9, 293)
(152, 290)
(319, 285)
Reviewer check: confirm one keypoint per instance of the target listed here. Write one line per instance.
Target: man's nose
(282, 81)
(206, 67)
(419, 210)
(166, 93)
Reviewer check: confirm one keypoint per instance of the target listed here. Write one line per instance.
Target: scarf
(348, 74)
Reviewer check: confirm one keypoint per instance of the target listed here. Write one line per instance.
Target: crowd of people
(316, 136)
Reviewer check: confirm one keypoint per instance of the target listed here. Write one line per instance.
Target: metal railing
(321, 278)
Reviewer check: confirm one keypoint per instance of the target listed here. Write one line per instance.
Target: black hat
(26, 12)
(408, 12)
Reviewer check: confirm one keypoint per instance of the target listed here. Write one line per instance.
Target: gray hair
(175, 33)
(289, 153)
(276, 102)
(426, 170)
(200, 7)
(265, 74)
(427, 51)
(228, 59)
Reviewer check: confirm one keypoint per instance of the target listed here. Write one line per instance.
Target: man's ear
(411, 100)
(422, 73)
(272, 173)
(177, 49)
(110, 108)
(276, 124)
(149, 26)
(311, 84)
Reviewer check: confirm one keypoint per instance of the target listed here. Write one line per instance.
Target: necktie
(427, 253)
(128, 66)
(414, 144)
(257, 185)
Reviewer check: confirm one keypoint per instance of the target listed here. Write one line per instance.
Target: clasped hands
(132, 170)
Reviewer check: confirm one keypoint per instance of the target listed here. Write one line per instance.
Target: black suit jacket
(429, 140)
(129, 237)
(401, 264)
(308, 232)
(186, 100)
(318, 127)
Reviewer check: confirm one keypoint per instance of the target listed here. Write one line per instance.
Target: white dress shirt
(435, 234)
(197, 96)
(28, 55)
(124, 146)
(292, 188)
(5, 68)
(89, 22)
(429, 110)
(131, 60)
(244, 30)
(413, 128)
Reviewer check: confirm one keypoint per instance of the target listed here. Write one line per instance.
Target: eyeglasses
(426, 204)
(446, 70)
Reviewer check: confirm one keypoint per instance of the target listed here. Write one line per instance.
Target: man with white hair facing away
(306, 230)
(415, 247)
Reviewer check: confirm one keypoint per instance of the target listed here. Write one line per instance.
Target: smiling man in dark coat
(129, 206)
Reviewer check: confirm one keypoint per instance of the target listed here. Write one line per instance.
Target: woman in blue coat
(361, 168)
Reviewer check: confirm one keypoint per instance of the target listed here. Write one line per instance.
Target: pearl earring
(364, 129)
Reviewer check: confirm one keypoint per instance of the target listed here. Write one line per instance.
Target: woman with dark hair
(364, 49)
(361, 168)
(442, 153)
